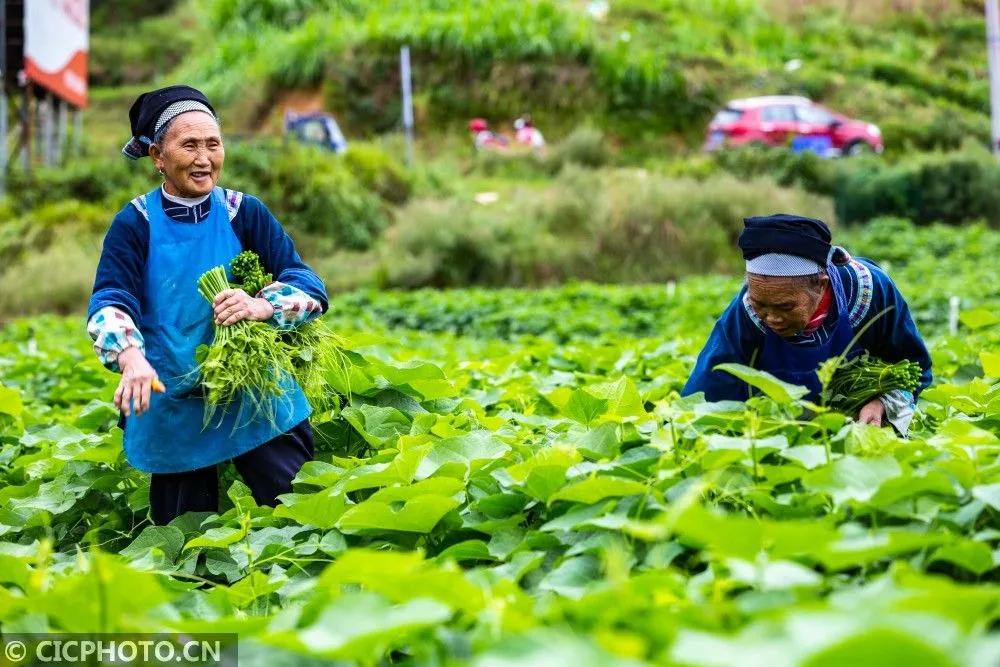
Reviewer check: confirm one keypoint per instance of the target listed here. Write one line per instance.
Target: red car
(781, 120)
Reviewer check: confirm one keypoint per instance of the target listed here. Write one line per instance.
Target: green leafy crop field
(515, 480)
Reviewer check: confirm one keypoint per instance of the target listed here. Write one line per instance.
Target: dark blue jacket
(122, 267)
(868, 291)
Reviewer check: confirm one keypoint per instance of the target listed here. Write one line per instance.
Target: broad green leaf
(362, 627)
(466, 551)
(572, 577)
(601, 442)
(10, 402)
(597, 488)
(860, 549)
(977, 318)
(852, 478)
(321, 509)
(96, 415)
(550, 648)
(763, 446)
(467, 453)
(404, 576)
(622, 397)
(775, 389)
(257, 585)
(57, 434)
(991, 363)
(577, 516)
(808, 456)
(745, 537)
(418, 515)
(544, 473)
(442, 486)
(169, 539)
(989, 494)
(428, 381)
(878, 647)
(908, 486)
(103, 594)
(772, 575)
(975, 557)
(584, 407)
(377, 425)
(217, 538)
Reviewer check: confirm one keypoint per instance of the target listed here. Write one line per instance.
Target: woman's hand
(233, 305)
(872, 413)
(138, 379)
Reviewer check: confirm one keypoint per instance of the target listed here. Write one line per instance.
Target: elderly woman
(146, 316)
(803, 302)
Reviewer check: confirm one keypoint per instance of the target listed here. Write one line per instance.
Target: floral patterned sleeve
(292, 306)
(113, 331)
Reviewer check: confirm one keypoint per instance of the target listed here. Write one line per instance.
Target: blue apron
(176, 319)
(797, 364)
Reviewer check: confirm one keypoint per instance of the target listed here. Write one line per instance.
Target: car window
(313, 131)
(777, 114)
(726, 116)
(813, 115)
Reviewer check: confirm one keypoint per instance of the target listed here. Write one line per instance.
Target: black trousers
(268, 471)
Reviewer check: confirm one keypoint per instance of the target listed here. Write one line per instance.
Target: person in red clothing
(483, 138)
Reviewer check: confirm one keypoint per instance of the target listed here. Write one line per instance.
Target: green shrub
(309, 190)
(93, 180)
(55, 278)
(951, 187)
(648, 227)
(141, 51)
(379, 172)
(585, 146)
(805, 169)
(603, 225)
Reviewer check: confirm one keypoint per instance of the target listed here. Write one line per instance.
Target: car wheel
(858, 148)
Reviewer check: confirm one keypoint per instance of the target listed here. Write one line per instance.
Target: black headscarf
(786, 234)
(146, 111)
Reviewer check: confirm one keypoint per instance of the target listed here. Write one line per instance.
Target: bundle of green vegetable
(248, 270)
(244, 363)
(247, 360)
(859, 380)
(320, 364)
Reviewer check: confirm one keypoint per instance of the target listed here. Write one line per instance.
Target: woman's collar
(184, 201)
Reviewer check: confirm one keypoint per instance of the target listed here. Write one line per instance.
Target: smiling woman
(147, 319)
(188, 151)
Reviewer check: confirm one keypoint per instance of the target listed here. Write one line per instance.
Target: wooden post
(404, 75)
(26, 129)
(993, 58)
(47, 127)
(77, 132)
(62, 119)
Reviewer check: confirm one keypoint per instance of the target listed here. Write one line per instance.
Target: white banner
(56, 40)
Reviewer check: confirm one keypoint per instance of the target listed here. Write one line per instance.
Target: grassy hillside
(917, 68)
(623, 194)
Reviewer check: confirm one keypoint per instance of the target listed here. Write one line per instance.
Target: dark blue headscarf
(787, 235)
(144, 115)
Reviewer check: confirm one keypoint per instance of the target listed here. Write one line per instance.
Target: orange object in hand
(158, 386)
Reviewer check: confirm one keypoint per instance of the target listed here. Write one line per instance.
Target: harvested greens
(859, 380)
(248, 270)
(246, 362)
